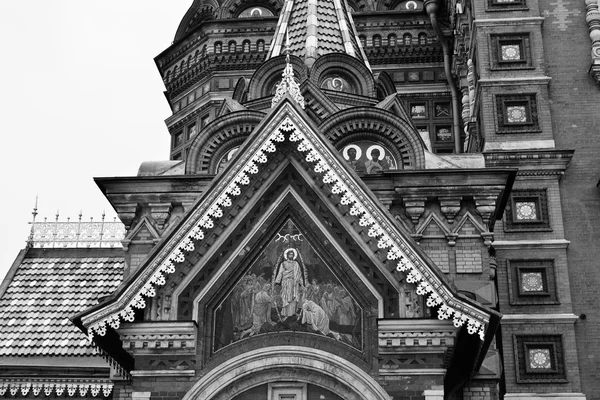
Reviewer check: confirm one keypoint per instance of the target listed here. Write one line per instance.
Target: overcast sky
(80, 97)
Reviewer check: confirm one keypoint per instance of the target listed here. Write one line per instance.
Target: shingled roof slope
(41, 296)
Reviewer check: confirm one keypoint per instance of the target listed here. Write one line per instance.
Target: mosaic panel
(369, 157)
(288, 288)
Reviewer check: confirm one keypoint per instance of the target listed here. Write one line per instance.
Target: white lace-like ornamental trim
(48, 387)
(397, 250)
(288, 85)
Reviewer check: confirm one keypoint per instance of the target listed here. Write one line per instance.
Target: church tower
(362, 201)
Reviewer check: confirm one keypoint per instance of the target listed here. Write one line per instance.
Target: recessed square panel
(443, 133)
(418, 110)
(413, 76)
(442, 110)
(540, 359)
(511, 52)
(192, 131)
(526, 211)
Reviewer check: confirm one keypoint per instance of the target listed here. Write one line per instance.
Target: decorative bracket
(415, 207)
(450, 207)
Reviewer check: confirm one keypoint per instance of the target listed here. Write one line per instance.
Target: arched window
(246, 46)
(260, 45)
(189, 61)
(363, 40)
(175, 72)
(422, 39)
(407, 39)
(392, 40)
(218, 48)
(197, 56)
(168, 77)
(377, 41)
(182, 66)
(232, 46)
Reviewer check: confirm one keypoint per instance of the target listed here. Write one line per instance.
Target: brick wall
(575, 106)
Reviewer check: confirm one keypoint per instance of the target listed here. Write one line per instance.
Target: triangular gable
(143, 231)
(229, 106)
(433, 227)
(287, 122)
(468, 226)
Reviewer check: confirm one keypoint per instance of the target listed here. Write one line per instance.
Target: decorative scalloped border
(56, 386)
(360, 205)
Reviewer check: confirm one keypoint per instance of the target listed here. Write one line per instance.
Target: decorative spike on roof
(288, 83)
(316, 28)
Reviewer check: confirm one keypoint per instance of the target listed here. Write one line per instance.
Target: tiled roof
(43, 294)
(328, 31)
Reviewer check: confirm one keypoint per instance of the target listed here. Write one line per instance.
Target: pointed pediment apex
(433, 226)
(229, 106)
(144, 231)
(288, 125)
(468, 226)
(319, 106)
(393, 104)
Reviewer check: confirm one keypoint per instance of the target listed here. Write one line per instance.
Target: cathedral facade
(364, 200)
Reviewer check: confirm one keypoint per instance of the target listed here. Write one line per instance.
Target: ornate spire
(317, 28)
(288, 84)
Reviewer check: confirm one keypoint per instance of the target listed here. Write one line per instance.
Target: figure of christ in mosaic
(289, 276)
(288, 288)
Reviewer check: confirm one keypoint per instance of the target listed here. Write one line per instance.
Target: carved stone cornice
(414, 336)
(544, 162)
(169, 337)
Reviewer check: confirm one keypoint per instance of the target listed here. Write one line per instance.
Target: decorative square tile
(511, 52)
(540, 359)
(532, 282)
(516, 114)
(526, 211)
